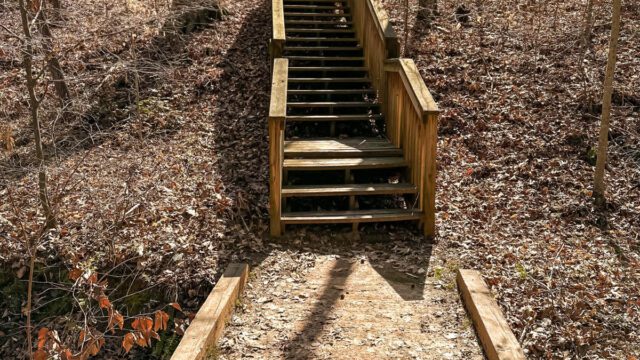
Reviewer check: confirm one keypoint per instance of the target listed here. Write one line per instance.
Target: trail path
(352, 307)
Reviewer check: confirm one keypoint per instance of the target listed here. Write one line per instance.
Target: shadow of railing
(300, 346)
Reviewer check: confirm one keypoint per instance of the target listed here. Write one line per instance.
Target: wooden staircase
(331, 158)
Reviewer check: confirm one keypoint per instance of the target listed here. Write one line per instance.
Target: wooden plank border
(494, 332)
(206, 328)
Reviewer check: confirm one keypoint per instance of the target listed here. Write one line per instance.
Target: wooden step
(333, 31)
(344, 163)
(326, 58)
(318, 22)
(320, 39)
(321, 118)
(315, 7)
(333, 104)
(322, 48)
(328, 80)
(358, 147)
(330, 91)
(314, 1)
(348, 190)
(327, 68)
(303, 14)
(346, 217)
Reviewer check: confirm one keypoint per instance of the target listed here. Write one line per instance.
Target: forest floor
(160, 166)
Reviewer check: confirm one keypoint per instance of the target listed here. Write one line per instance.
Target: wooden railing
(277, 113)
(411, 113)
(412, 124)
(378, 40)
(278, 37)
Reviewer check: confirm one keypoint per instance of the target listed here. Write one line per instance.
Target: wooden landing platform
(348, 309)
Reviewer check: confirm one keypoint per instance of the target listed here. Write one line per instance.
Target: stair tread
(344, 163)
(338, 144)
(329, 91)
(314, 7)
(305, 30)
(329, 79)
(332, 103)
(358, 147)
(322, 39)
(359, 117)
(327, 68)
(315, 217)
(350, 189)
(310, 14)
(319, 22)
(327, 58)
(322, 48)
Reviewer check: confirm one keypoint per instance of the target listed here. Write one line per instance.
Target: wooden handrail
(385, 30)
(277, 114)
(415, 86)
(412, 124)
(278, 36)
(379, 40)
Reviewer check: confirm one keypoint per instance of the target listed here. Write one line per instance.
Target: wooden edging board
(496, 336)
(206, 328)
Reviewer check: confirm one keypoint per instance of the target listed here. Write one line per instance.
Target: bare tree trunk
(406, 28)
(603, 143)
(588, 25)
(427, 9)
(34, 104)
(52, 63)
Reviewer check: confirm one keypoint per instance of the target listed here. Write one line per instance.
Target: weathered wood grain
(206, 328)
(347, 163)
(416, 88)
(342, 217)
(348, 190)
(496, 336)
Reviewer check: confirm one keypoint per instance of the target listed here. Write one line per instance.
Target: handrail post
(277, 114)
(429, 206)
